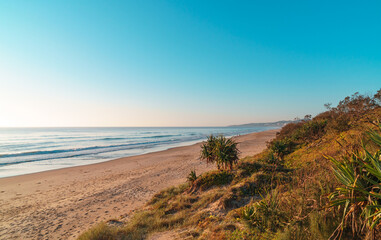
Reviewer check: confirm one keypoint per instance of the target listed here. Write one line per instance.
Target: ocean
(30, 150)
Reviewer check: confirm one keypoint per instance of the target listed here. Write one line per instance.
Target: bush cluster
(345, 115)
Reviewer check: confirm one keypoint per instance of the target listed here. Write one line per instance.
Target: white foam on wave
(24, 151)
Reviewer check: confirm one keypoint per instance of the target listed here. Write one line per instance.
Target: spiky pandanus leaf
(375, 136)
(361, 176)
(207, 150)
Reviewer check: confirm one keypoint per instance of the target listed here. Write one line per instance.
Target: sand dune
(60, 204)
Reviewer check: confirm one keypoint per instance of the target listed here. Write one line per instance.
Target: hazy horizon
(29, 150)
(189, 63)
(144, 126)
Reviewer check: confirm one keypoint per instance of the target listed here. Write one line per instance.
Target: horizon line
(141, 126)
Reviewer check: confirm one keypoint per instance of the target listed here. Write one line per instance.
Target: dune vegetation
(320, 178)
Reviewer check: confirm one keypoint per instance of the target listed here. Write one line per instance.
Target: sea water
(30, 150)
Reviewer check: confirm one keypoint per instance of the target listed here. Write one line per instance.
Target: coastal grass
(195, 206)
(285, 192)
(169, 209)
(101, 232)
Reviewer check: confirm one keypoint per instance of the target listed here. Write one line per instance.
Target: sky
(182, 63)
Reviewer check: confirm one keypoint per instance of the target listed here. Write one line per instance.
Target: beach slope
(60, 204)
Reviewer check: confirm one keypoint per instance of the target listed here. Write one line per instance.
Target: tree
(377, 97)
(328, 106)
(220, 150)
(308, 117)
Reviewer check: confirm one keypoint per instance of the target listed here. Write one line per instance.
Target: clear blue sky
(182, 63)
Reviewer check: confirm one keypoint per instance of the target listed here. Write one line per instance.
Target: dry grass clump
(169, 209)
(212, 179)
(101, 232)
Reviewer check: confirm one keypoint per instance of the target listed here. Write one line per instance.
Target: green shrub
(265, 214)
(270, 158)
(281, 147)
(289, 129)
(350, 110)
(247, 168)
(211, 179)
(100, 232)
(166, 194)
(340, 122)
(192, 176)
(310, 130)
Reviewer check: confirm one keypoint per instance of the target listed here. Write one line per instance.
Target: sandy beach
(60, 204)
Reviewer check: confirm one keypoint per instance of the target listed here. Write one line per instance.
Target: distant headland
(266, 124)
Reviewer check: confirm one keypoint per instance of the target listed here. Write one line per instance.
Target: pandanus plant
(360, 193)
(207, 150)
(220, 150)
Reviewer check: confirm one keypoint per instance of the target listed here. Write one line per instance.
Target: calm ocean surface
(29, 150)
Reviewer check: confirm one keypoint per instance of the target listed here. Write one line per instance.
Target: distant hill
(268, 124)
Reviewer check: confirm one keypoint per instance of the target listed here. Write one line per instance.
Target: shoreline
(62, 203)
(105, 161)
(15, 169)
